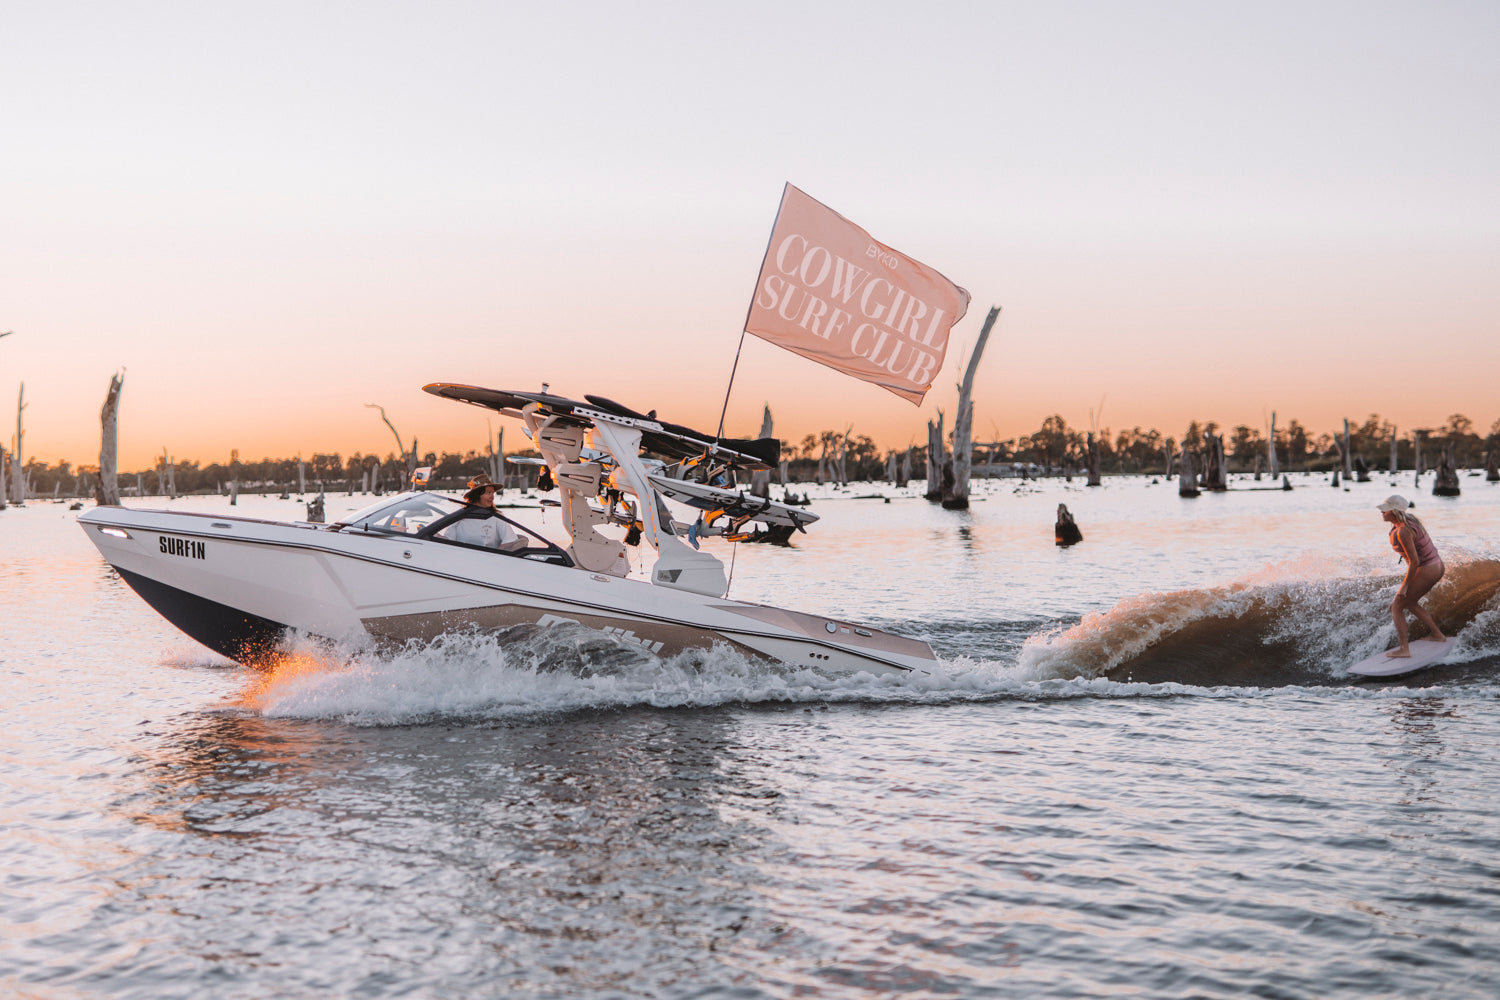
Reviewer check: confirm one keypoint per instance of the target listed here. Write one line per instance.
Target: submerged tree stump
(1348, 454)
(1187, 480)
(1446, 482)
(1066, 530)
(1271, 447)
(937, 457)
(1214, 469)
(760, 482)
(17, 463)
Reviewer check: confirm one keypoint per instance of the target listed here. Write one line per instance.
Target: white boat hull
(237, 585)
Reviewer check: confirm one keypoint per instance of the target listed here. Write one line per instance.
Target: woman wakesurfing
(1424, 568)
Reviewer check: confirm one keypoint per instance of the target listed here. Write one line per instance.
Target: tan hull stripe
(659, 638)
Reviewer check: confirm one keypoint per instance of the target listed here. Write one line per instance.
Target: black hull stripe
(239, 635)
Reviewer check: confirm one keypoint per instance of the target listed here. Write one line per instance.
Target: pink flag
(830, 292)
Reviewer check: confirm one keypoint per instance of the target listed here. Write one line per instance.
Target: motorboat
(398, 570)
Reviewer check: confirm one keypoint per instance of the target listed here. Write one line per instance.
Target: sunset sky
(271, 214)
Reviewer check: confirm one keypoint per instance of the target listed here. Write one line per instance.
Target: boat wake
(1293, 624)
(1300, 622)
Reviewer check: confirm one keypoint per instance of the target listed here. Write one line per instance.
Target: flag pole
(732, 369)
(748, 309)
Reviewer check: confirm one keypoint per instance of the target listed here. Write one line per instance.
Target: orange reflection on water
(265, 685)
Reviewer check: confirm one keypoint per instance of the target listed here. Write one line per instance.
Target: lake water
(1140, 771)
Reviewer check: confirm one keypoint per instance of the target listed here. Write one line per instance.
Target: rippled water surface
(1140, 771)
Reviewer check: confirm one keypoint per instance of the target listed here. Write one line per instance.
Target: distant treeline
(330, 472)
(1297, 448)
(1057, 446)
(1054, 446)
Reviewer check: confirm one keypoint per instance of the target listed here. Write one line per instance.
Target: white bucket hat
(1395, 502)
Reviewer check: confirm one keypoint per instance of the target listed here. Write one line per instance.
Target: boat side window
(410, 515)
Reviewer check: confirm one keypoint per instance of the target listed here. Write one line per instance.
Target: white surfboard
(733, 502)
(1423, 654)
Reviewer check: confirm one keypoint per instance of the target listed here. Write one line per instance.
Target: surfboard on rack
(1423, 654)
(734, 503)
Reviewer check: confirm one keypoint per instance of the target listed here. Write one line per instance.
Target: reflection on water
(551, 850)
(1419, 723)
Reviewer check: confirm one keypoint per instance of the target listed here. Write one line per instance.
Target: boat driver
(483, 526)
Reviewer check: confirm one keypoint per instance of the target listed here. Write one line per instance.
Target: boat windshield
(407, 514)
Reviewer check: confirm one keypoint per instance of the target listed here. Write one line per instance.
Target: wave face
(1298, 623)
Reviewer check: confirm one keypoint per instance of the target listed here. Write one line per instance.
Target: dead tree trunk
(760, 482)
(963, 423)
(1213, 463)
(1417, 437)
(499, 474)
(107, 491)
(1187, 481)
(1446, 482)
(1271, 447)
(1491, 469)
(937, 457)
(905, 468)
(1395, 465)
(301, 477)
(1094, 471)
(3, 494)
(956, 486)
(1349, 455)
(17, 475)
